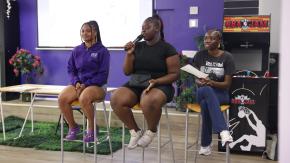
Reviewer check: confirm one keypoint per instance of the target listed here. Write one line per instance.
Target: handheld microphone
(140, 37)
(137, 39)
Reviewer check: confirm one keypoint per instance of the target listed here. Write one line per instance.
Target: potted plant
(185, 86)
(27, 65)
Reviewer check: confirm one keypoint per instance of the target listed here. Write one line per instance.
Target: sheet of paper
(192, 70)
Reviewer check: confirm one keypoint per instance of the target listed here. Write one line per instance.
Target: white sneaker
(226, 137)
(205, 150)
(146, 139)
(135, 136)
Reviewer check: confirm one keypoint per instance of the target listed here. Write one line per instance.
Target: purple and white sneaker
(72, 133)
(89, 137)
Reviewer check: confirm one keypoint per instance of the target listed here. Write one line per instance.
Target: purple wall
(175, 15)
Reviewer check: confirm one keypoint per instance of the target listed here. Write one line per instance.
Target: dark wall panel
(238, 4)
(242, 7)
(9, 42)
(241, 11)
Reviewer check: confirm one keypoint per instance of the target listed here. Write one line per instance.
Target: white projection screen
(59, 21)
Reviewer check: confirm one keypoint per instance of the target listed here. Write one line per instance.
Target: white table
(17, 88)
(36, 90)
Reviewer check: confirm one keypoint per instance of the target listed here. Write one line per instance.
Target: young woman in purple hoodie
(88, 68)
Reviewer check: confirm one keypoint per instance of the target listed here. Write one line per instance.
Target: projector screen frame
(118, 47)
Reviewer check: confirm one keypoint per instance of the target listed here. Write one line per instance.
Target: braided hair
(95, 27)
(157, 21)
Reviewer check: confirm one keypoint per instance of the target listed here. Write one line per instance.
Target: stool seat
(137, 107)
(196, 107)
(77, 102)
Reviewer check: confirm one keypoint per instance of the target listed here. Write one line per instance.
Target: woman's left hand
(209, 83)
(152, 83)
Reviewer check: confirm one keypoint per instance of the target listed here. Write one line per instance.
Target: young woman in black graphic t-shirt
(158, 59)
(213, 90)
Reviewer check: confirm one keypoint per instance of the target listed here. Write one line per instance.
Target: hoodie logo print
(94, 55)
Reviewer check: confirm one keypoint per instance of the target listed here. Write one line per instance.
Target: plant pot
(25, 97)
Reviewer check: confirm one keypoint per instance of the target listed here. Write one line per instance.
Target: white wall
(284, 87)
(273, 8)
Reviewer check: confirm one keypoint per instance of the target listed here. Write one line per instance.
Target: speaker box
(9, 42)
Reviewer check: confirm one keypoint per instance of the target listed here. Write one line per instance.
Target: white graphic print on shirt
(214, 69)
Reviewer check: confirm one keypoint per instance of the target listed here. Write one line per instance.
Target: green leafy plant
(199, 42)
(185, 86)
(26, 63)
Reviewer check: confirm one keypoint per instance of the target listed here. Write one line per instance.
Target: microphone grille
(140, 36)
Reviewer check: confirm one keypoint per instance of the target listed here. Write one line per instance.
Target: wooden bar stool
(159, 145)
(196, 108)
(96, 140)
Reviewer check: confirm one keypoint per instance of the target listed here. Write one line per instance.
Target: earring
(219, 45)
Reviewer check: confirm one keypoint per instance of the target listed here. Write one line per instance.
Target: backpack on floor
(271, 151)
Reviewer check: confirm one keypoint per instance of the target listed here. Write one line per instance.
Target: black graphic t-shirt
(152, 59)
(216, 67)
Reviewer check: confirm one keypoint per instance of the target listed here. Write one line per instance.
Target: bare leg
(122, 101)
(87, 97)
(151, 104)
(66, 97)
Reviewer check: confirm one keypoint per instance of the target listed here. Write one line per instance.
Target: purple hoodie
(89, 66)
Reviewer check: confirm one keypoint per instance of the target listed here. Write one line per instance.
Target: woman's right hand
(78, 85)
(200, 82)
(130, 47)
(79, 88)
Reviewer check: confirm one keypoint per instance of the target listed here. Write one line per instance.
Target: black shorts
(168, 90)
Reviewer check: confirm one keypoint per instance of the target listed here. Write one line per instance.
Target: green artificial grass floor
(44, 137)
